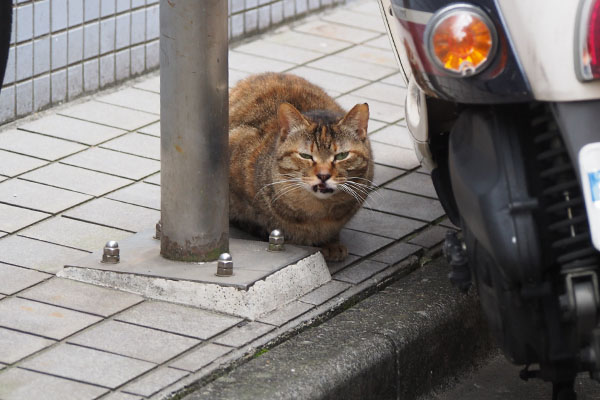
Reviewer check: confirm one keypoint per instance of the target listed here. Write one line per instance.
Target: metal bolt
(276, 240)
(158, 230)
(225, 265)
(111, 252)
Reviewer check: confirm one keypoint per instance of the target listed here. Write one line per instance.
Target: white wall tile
(7, 103)
(74, 81)
(41, 17)
(138, 26)
(138, 59)
(122, 63)
(107, 70)
(91, 40)
(107, 35)
(91, 77)
(59, 50)
(24, 61)
(59, 15)
(152, 22)
(24, 19)
(75, 39)
(41, 92)
(24, 98)
(91, 10)
(9, 74)
(75, 12)
(59, 85)
(152, 54)
(107, 7)
(123, 31)
(41, 55)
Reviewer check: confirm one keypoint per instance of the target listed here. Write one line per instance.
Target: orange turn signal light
(461, 40)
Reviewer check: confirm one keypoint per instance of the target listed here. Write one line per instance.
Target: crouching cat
(298, 162)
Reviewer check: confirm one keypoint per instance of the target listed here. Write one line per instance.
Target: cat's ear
(290, 119)
(357, 120)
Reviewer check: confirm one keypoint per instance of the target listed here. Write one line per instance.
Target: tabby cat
(298, 162)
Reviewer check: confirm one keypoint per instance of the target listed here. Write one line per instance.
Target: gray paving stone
(360, 243)
(396, 253)
(152, 129)
(14, 279)
(285, 313)
(122, 396)
(382, 92)
(200, 357)
(360, 272)
(141, 194)
(369, 8)
(355, 68)
(35, 254)
(375, 125)
(236, 76)
(382, 42)
(394, 135)
(370, 54)
(14, 164)
(2, 234)
(16, 345)
(137, 144)
(335, 31)
(385, 174)
(379, 110)
(393, 156)
(414, 183)
(242, 334)
(81, 297)
(72, 129)
(76, 179)
(87, 365)
(263, 48)
(395, 79)
(73, 233)
(40, 146)
(321, 294)
(150, 84)
(430, 237)
(38, 197)
(111, 115)
(409, 205)
(356, 20)
(330, 81)
(14, 218)
(134, 341)
(20, 384)
(114, 163)
(382, 224)
(254, 64)
(134, 98)
(154, 179)
(174, 318)
(334, 267)
(309, 42)
(42, 319)
(155, 381)
(116, 214)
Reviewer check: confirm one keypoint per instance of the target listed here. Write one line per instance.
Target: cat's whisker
(363, 197)
(366, 189)
(352, 193)
(363, 179)
(296, 180)
(285, 191)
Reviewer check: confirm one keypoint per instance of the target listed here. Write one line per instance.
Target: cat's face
(325, 154)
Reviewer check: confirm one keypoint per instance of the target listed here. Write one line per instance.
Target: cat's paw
(334, 252)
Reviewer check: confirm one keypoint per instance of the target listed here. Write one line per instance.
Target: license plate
(589, 166)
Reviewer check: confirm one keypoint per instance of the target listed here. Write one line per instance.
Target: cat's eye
(306, 156)
(341, 156)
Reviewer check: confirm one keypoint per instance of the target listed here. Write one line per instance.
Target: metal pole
(194, 125)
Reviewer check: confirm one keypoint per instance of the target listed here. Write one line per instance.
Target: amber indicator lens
(461, 42)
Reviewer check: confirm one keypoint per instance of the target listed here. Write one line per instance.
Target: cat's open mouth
(322, 188)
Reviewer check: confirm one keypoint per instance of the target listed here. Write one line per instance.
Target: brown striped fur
(273, 119)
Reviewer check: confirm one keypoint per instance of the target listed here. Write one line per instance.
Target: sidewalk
(86, 172)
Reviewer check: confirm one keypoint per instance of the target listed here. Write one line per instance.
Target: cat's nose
(323, 177)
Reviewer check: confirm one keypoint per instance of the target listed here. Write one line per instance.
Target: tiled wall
(61, 49)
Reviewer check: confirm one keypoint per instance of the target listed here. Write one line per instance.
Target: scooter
(503, 105)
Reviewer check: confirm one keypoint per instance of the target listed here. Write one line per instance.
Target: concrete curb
(398, 343)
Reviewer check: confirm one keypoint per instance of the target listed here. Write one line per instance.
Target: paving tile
(38, 197)
(394, 135)
(76, 179)
(87, 365)
(254, 64)
(382, 42)
(40, 146)
(369, 7)
(201, 357)
(382, 92)
(414, 183)
(34, 254)
(134, 341)
(19, 384)
(430, 237)
(14, 218)
(395, 79)
(16, 345)
(150, 84)
(154, 179)
(386, 112)
(115, 214)
(114, 163)
(236, 76)
(375, 125)
(360, 272)
(321, 294)
(355, 68)
(72, 129)
(14, 279)
(14, 164)
(383, 224)
(155, 381)
(152, 129)
(263, 48)
(242, 334)
(2, 234)
(360, 243)
(334, 267)
(396, 253)
(111, 115)
(121, 396)
(174, 318)
(141, 194)
(408, 205)
(329, 80)
(42, 319)
(335, 31)
(309, 42)
(370, 54)
(285, 313)
(448, 224)
(385, 174)
(136, 99)
(356, 20)
(136, 144)
(393, 156)
(81, 296)
(73, 233)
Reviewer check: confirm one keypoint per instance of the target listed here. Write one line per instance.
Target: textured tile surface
(393, 156)
(309, 42)
(17, 345)
(114, 163)
(111, 115)
(141, 194)
(240, 335)
(134, 98)
(355, 68)
(200, 357)
(409, 205)
(14, 164)
(38, 197)
(414, 183)
(278, 51)
(378, 223)
(359, 272)
(15, 279)
(137, 144)
(39, 146)
(337, 32)
(286, 313)
(155, 381)
(430, 237)
(325, 292)
(14, 218)
(361, 243)
(394, 135)
(396, 253)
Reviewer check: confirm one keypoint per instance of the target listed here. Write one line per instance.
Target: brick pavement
(78, 175)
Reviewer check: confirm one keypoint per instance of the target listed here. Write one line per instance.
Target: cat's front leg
(334, 251)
